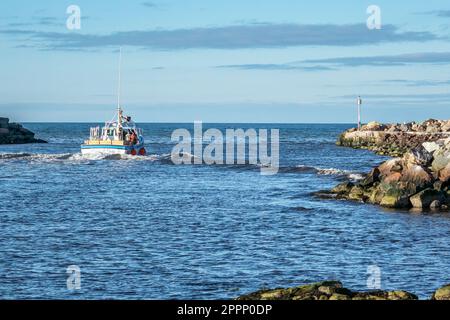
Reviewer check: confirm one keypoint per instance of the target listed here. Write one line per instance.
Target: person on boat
(126, 119)
(133, 137)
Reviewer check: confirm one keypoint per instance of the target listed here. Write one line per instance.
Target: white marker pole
(359, 112)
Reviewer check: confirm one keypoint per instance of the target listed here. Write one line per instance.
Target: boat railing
(95, 133)
(108, 135)
(107, 142)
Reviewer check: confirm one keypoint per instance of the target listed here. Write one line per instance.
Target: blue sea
(144, 228)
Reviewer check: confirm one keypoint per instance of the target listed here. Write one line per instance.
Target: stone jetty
(419, 179)
(14, 133)
(394, 139)
(334, 290)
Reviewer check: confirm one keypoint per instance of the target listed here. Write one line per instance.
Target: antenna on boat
(119, 111)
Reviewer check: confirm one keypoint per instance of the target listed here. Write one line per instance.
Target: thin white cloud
(391, 60)
(278, 67)
(228, 37)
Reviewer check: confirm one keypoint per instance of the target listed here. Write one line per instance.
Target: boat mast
(119, 110)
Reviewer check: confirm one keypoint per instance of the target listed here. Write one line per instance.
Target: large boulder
(419, 156)
(373, 126)
(446, 126)
(15, 133)
(444, 174)
(372, 178)
(343, 188)
(15, 126)
(4, 123)
(387, 167)
(433, 129)
(442, 293)
(406, 127)
(392, 195)
(431, 147)
(423, 199)
(417, 175)
(327, 290)
(441, 158)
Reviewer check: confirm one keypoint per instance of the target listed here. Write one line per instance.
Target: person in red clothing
(133, 138)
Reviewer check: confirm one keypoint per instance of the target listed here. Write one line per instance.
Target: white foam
(73, 157)
(354, 176)
(332, 172)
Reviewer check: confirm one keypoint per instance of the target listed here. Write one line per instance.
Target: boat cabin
(123, 131)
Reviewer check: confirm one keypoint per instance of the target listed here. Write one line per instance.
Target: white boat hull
(111, 149)
(106, 151)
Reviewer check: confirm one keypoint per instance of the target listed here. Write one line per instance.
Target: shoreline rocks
(420, 179)
(14, 133)
(442, 293)
(334, 290)
(394, 139)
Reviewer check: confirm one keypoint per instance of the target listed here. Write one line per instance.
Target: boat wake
(34, 157)
(80, 158)
(340, 173)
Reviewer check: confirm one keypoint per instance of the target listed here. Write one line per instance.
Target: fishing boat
(118, 136)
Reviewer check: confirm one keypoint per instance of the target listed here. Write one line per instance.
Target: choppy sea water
(143, 228)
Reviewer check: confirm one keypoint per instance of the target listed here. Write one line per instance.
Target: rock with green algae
(407, 182)
(426, 197)
(338, 296)
(343, 188)
(356, 193)
(442, 293)
(327, 290)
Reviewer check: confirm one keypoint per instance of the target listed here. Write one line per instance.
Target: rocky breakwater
(334, 290)
(14, 133)
(420, 179)
(394, 139)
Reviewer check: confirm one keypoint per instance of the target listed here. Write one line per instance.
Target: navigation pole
(359, 112)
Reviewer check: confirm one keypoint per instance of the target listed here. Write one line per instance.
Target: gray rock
(328, 290)
(436, 204)
(425, 198)
(420, 156)
(343, 188)
(431, 146)
(15, 126)
(4, 123)
(442, 293)
(441, 158)
(372, 177)
(14, 133)
(439, 185)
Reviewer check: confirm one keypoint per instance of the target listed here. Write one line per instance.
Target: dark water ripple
(149, 229)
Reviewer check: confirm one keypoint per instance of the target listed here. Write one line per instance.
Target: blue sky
(225, 61)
